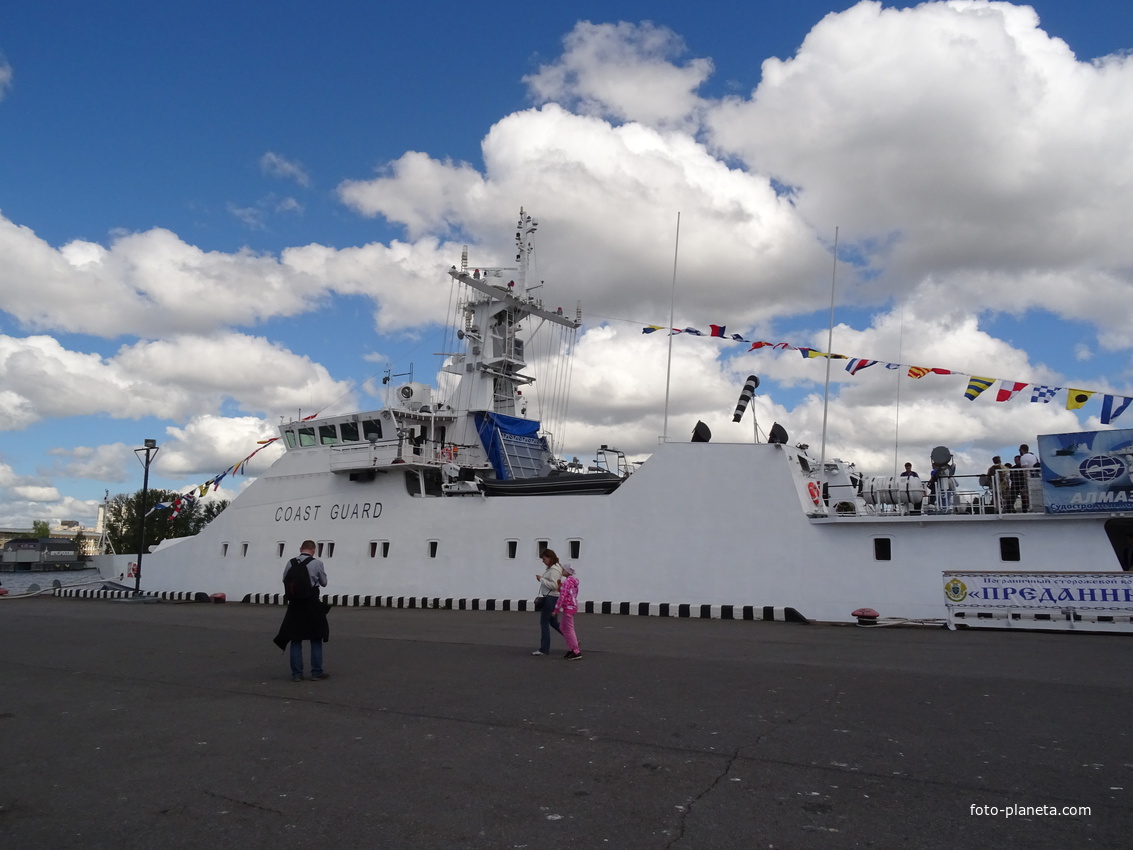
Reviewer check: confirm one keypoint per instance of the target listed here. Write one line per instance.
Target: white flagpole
(829, 346)
(897, 419)
(672, 307)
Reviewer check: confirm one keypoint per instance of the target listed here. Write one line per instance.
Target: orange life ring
(815, 492)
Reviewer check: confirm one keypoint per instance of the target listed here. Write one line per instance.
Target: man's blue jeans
(297, 657)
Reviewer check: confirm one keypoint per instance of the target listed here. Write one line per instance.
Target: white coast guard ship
(445, 498)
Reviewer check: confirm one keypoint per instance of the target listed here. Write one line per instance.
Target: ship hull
(698, 524)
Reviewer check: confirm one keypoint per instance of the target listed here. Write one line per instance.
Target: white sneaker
(538, 652)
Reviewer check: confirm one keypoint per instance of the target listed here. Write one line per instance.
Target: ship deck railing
(388, 454)
(967, 495)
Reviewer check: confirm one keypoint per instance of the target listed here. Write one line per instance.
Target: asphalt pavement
(163, 725)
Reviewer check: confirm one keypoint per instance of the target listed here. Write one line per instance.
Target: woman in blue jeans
(549, 581)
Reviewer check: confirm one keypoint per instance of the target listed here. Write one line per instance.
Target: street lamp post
(150, 449)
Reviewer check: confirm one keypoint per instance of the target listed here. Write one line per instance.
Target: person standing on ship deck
(549, 581)
(1028, 461)
(995, 477)
(1018, 478)
(1027, 458)
(306, 619)
(914, 492)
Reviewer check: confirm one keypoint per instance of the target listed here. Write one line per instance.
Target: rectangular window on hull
(512, 549)
(280, 549)
(433, 544)
(379, 548)
(882, 549)
(575, 549)
(1009, 549)
(244, 550)
(329, 548)
(540, 545)
(224, 550)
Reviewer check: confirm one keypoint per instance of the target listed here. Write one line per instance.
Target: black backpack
(297, 585)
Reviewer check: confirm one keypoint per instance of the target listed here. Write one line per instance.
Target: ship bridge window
(349, 431)
(290, 437)
(371, 428)
(328, 435)
(1009, 549)
(882, 549)
(306, 437)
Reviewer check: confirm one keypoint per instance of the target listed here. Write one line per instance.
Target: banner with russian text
(1054, 591)
(1087, 471)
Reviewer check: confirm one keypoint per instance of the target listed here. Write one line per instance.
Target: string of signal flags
(187, 499)
(1112, 405)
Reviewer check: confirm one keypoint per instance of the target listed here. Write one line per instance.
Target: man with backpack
(306, 617)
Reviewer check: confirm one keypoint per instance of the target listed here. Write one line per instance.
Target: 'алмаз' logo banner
(1087, 471)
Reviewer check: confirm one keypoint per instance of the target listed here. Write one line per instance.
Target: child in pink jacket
(568, 606)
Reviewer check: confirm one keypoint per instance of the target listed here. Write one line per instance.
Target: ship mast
(491, 368)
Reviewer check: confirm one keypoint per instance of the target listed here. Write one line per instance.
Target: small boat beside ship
(447, 495)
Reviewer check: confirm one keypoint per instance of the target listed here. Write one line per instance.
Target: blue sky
(185, 187)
